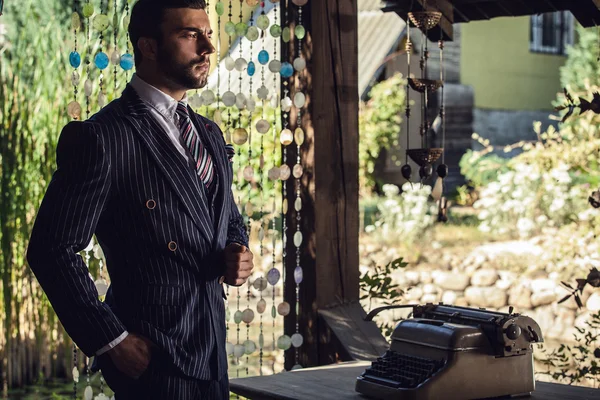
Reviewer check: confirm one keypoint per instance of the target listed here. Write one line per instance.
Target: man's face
(183, 54)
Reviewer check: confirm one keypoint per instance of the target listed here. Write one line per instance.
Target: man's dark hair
(148, 15)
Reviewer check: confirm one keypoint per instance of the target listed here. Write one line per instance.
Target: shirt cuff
(112, 344)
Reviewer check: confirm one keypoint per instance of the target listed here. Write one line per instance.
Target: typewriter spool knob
(513, 331)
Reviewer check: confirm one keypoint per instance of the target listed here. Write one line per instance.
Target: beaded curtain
(248, 96)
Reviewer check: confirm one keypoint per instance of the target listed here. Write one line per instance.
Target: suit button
(150, 204)
(172, 246)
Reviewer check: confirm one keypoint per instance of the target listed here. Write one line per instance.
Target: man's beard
(182, 74)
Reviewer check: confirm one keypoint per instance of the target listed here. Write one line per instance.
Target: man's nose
(206, 47)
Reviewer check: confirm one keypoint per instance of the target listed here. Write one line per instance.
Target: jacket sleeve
(65, 223)
(236, 230)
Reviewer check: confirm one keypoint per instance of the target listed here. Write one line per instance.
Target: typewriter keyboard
(401, 370)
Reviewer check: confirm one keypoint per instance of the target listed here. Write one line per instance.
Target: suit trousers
(161, 381)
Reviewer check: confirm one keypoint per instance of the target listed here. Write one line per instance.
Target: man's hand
(132, 355)
(238, 264)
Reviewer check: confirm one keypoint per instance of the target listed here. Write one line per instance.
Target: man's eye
(192, 35)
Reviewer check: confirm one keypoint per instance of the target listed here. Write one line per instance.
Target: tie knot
(182, 110)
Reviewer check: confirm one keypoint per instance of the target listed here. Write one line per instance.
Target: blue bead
(101, 60)
(127, 61)
(263, 57)
(286, 70)
(75, 59)
(251, 68)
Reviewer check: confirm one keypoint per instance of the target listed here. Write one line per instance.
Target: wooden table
(334, 382)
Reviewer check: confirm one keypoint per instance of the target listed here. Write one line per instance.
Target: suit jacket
(119, 176)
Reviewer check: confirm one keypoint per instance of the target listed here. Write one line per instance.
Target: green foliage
(574, 364)
(379, 126)
(480, 169)
(376, 284)
(582, 69)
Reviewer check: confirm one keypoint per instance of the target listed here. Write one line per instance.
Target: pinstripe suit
(120, 177)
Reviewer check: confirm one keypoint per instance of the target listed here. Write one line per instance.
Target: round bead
(238, 350)
(273, 276)
(115, 21)
(262, 92)
(87, 87)
(195, 101)
(286, 70)
(299, 136)
(240, 101)
(248, 316)
(115, 58)
(284, 209)
(241, 64)
(274, 101)
(249, 347)
(101, 22)
(88, 393)
(284, 342)
(229, 63)
(263, 57)
(127, 62)
(300, 2)
(217, 117)
(263, 22)
(299, 64)
(286, 137)
(260, 284)
(263, 126)
(75, 79)
(300, 32)
(286, 104)
(248, 173)
(286, 34)
(299, 99)
(237, 317)
(126, 20)
(275, 30)
(297, 340)
(275, 66)
(297, 171)
(261, 230)
(220, 8)
(261, 306)
(261, 340)
(88, 10)
(273, 311)
(208, 97)
(284, 172)
(102, 100)
(250, 104)
(274, 174)
(230, 28)
(298, 204)
(240, 136)
(283, 309)
(75, 21)
(229, 348)
(74, 59)
(252, 34)
(249, 209)
(298, 239)
(252, 3)
(74, 110)
(228, 98)
(251, 68)
(101, 287)
(75, 373)
(298, 275)
(241, 29)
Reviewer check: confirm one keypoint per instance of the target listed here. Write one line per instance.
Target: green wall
(505, 74)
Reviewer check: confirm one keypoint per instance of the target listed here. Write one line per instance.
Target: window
(551, 32)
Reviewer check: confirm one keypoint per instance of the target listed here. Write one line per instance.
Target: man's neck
(162, 85)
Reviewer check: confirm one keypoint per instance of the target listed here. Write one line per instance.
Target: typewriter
(445, 352)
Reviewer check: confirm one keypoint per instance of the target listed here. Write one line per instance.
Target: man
(152, 180)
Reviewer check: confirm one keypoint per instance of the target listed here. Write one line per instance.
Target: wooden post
(330, 314)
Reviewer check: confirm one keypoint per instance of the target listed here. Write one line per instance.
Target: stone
(429, 298)
(449, 297)
(426, 277)
(414, 294)
(484, 277)
(542, 284)
(452, 281)
(413, 277)
(461, 302)
(543, 298)
(429, 289)
(593, 302)
(485, 297)
(544, 316)
(520, 296)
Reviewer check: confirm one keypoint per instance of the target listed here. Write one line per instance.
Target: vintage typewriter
(446, 352)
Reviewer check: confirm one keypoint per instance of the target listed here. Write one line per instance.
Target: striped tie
(204, 163)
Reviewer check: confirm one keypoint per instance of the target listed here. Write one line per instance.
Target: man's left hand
(238, 264)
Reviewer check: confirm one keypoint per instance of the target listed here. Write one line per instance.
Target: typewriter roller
(446, 352)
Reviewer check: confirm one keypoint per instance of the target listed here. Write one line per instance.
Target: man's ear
(148, 48)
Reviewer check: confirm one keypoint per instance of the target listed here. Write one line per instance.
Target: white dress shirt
(164, 109)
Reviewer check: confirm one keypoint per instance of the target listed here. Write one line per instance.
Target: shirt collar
(155, 98)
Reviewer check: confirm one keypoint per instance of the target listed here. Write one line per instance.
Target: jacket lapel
(214, 143)
(177, 172)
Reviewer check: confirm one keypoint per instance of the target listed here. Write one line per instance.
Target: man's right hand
(132, 355)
